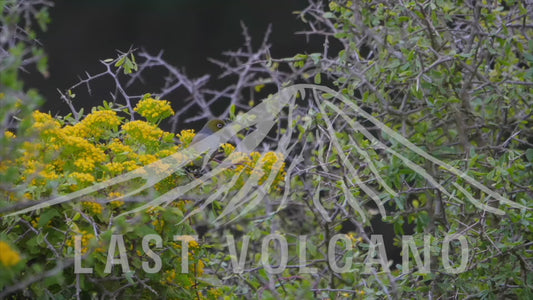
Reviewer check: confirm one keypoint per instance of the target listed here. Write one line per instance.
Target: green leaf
(315, 57)
(529, 154)
(47, 215)
(120, 62)
(318, 78)
(328, 15)
(232, 112)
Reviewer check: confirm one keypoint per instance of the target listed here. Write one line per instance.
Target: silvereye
(211, 127)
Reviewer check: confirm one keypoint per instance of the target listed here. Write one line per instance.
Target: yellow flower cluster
(81, 152)
(193, 244)
(228, 148)
(158, 224)
(186, 136)
(181, 204)
(85, 240)
(119, 148)
(354, 238)
(258, 166)
(77, 146)
(154, 110)
(9, 135)
(167, 152)
(199, 268)
(214, 293)
(45, 124)
(84, 178)
(168, 277)
(49, 174)
(93, 207)
(146, 133)
(35, 223)
(85, 164)
(8, 256)
(270, 162)
(130, 165)
(147, 159)
(97, 124)
(115, 168)
(115, 203)
(43, 177)
(171, 277)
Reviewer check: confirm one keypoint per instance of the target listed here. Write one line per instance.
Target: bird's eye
(219, 125)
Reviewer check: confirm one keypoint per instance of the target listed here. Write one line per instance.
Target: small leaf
(232, 111)
(529, 154)
(327, 96)
(120, 62)
(328, 15)
(315, 57)
(318, 78)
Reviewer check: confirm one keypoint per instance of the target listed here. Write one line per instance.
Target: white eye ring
(219, 125)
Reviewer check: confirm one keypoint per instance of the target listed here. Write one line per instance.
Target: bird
(211, 127)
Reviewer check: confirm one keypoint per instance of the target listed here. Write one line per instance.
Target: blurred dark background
(82, 32)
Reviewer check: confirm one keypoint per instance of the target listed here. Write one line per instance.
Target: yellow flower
(94, 125)
(147, 159)
(82, 177)
(116, 203)
(9, 135)
(186, 136)
(354, 238)
(143, 132)
(99, 122)
(166, 152)
(85, 240)
(45, 124)
(154, 110)
(239, 158)
(130, 165)
(118, 147)
(73, 130)
(215, 293)
(93, 207)
(158, 224)
(8, 256)
(115, 195)
(168, 277)
(228, 148)
(49, 175)
(114, 167)
(35, 223)
(265, 164)
(200, 268)
(193, 244)
(85, 164)
(76, 145)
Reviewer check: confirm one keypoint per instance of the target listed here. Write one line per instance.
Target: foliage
(20, 51)
(67, 156)
(428, 136)
(455, 80)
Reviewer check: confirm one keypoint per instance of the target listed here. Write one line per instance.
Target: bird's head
(212, 126)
